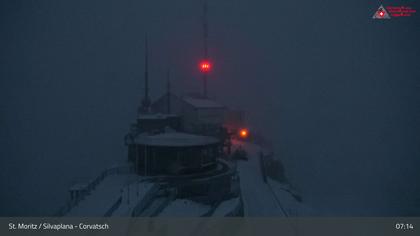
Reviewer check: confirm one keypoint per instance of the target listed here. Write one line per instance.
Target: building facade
(173, 153)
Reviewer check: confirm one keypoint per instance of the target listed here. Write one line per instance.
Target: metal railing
(126, 169)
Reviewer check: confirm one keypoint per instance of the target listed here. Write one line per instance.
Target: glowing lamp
(243, 133)
(205, 66)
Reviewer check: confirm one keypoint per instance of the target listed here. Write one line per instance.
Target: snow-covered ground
(257, 195)
(185, 208)
(260, 198)
(132, 194)
(289, 203)
(102, 198)
(226, 207)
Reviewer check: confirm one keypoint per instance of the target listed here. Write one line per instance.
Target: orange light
(243, 133)
(205, 66)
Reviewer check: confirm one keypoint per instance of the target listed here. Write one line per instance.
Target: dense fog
(336, 92)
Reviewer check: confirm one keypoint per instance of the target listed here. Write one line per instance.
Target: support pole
(205, 34)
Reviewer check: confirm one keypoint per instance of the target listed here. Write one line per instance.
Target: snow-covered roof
(155, 116)
(202, 102)
(175, 140)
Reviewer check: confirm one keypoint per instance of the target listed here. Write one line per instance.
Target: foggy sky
(337, 93)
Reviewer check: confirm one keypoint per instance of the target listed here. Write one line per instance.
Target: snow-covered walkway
(257, 196)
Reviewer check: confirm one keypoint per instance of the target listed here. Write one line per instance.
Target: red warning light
(205, 66)
(381, 13)
(243, 133)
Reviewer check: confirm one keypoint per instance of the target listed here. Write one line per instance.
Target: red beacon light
(205, 66)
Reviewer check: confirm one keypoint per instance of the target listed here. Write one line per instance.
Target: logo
(393, 11)
(381, 13)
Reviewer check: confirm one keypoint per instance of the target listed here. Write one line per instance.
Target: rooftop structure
(202, 103)
(198, 114)
(173, 153)
(175, 140)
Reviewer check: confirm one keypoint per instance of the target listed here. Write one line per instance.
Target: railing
(264, 175)
(147, 199)
(168, 200)
(113, 207)
(239, 209)
(263, 167)
(127, 169)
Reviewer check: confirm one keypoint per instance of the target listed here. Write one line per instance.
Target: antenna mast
(146, 99)
(205, 34)
(168, 87)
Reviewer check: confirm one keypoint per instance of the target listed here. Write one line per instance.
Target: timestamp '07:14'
(404, 226)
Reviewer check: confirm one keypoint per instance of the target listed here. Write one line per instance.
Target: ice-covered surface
(175, 140)
(226, 207)
(132, 194)
(101, 199)
(202, 103)
(185, 208)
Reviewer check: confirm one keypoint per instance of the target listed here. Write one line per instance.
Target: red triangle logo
(381, 13)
